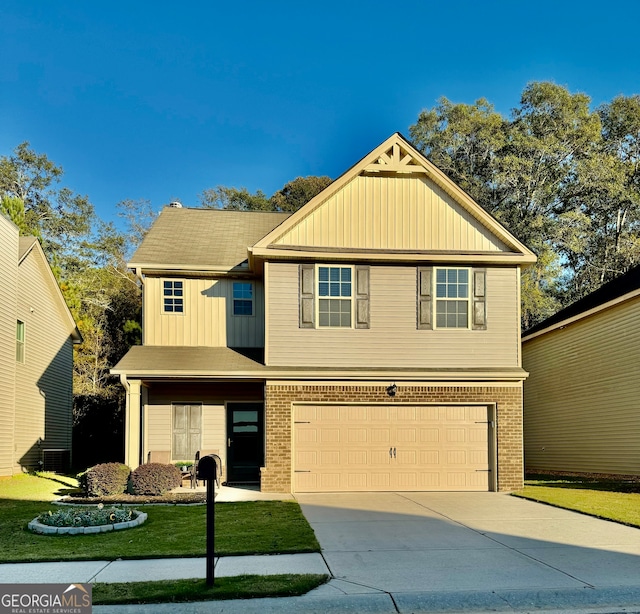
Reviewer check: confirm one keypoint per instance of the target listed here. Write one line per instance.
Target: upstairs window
(20, 342)
(452, 298)
(335, 293)
(173, 295)
(242, 298)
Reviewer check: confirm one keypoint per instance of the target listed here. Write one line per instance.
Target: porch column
(132, 422)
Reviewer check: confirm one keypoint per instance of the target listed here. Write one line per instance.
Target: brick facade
(279, 399)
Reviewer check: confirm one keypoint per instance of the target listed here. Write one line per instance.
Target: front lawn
(608, 498)
(177, 591)
(261, 527)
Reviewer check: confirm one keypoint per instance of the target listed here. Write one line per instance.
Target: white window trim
(318, 297)
(436, 299)
(162, 297)
(253, 300)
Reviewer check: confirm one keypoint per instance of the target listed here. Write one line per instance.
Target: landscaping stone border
(45, 529)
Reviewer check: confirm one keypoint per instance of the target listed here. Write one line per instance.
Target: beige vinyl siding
(213, 397)
(207, 319)
(9, 285)
(401, 212)
(581, 400)
(393, 339)
(44, 382)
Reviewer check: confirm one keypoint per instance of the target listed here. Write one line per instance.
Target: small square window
(242, 298)
(173, 297)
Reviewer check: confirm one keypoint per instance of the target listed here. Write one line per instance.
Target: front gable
(394, 204)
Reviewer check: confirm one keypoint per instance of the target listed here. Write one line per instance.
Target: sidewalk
(141, 570)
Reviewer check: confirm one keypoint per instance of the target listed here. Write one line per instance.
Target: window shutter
(187, 431)
(195, 429)
(180, 421)
(362, 297)
(479, 299)
(307, 293)
(424, 298)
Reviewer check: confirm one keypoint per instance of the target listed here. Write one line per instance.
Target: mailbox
(209, 467)
(208, 470)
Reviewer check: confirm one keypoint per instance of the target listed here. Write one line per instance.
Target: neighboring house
(369, 341)
(37, 333)
(582, 399)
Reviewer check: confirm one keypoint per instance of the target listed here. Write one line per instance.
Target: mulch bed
(171, 498)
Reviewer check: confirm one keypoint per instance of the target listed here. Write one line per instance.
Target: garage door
(390, 447)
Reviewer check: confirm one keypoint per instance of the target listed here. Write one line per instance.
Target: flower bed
(86, 520)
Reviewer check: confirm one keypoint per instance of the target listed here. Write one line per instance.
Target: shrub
(155, 479)
(105, 479)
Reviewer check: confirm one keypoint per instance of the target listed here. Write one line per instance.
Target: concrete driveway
(489, 548)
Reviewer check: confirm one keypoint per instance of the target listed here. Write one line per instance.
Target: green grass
(261, 527)
(611, 499)
(177, 591)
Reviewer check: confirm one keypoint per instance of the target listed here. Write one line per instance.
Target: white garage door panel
(350, 448)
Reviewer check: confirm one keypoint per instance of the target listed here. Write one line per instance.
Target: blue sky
(160, 100)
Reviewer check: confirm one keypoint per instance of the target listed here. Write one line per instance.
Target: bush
(155, 479)
(105, 479)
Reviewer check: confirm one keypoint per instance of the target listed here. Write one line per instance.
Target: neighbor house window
(20, 341)
(242, 298)
(173, 297)
(335, 292)
(452, 298)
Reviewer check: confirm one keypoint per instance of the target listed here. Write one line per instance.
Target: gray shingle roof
(202, 238)
(610, 291)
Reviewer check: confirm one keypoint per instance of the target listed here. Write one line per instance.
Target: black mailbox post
(208, 472)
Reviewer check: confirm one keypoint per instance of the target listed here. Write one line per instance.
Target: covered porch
(180, 401)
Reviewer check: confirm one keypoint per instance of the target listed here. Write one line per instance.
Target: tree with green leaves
(298, 192)
(222, 197)
(56, 215)
(559, 175)
(290, 198)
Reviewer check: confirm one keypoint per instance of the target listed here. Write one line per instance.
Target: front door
(245, 441)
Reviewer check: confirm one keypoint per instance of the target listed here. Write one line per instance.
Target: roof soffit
(393, 159)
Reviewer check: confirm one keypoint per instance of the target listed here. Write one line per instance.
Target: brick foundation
(279, 399)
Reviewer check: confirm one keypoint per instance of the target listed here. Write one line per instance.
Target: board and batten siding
(8, 305)
(158, 430)
(582, 397)
(207, 319)
(393, 339)
(44, 395)
(396, 212)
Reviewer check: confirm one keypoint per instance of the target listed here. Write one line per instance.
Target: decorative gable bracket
(395, 160)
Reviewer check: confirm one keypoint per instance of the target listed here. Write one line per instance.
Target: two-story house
(369, 341)
(37, 333)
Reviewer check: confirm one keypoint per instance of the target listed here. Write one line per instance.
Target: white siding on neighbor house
(207, 319)
(9, 285)
(44, 395)
(407, 212)
(393, 339)
(582, 397)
